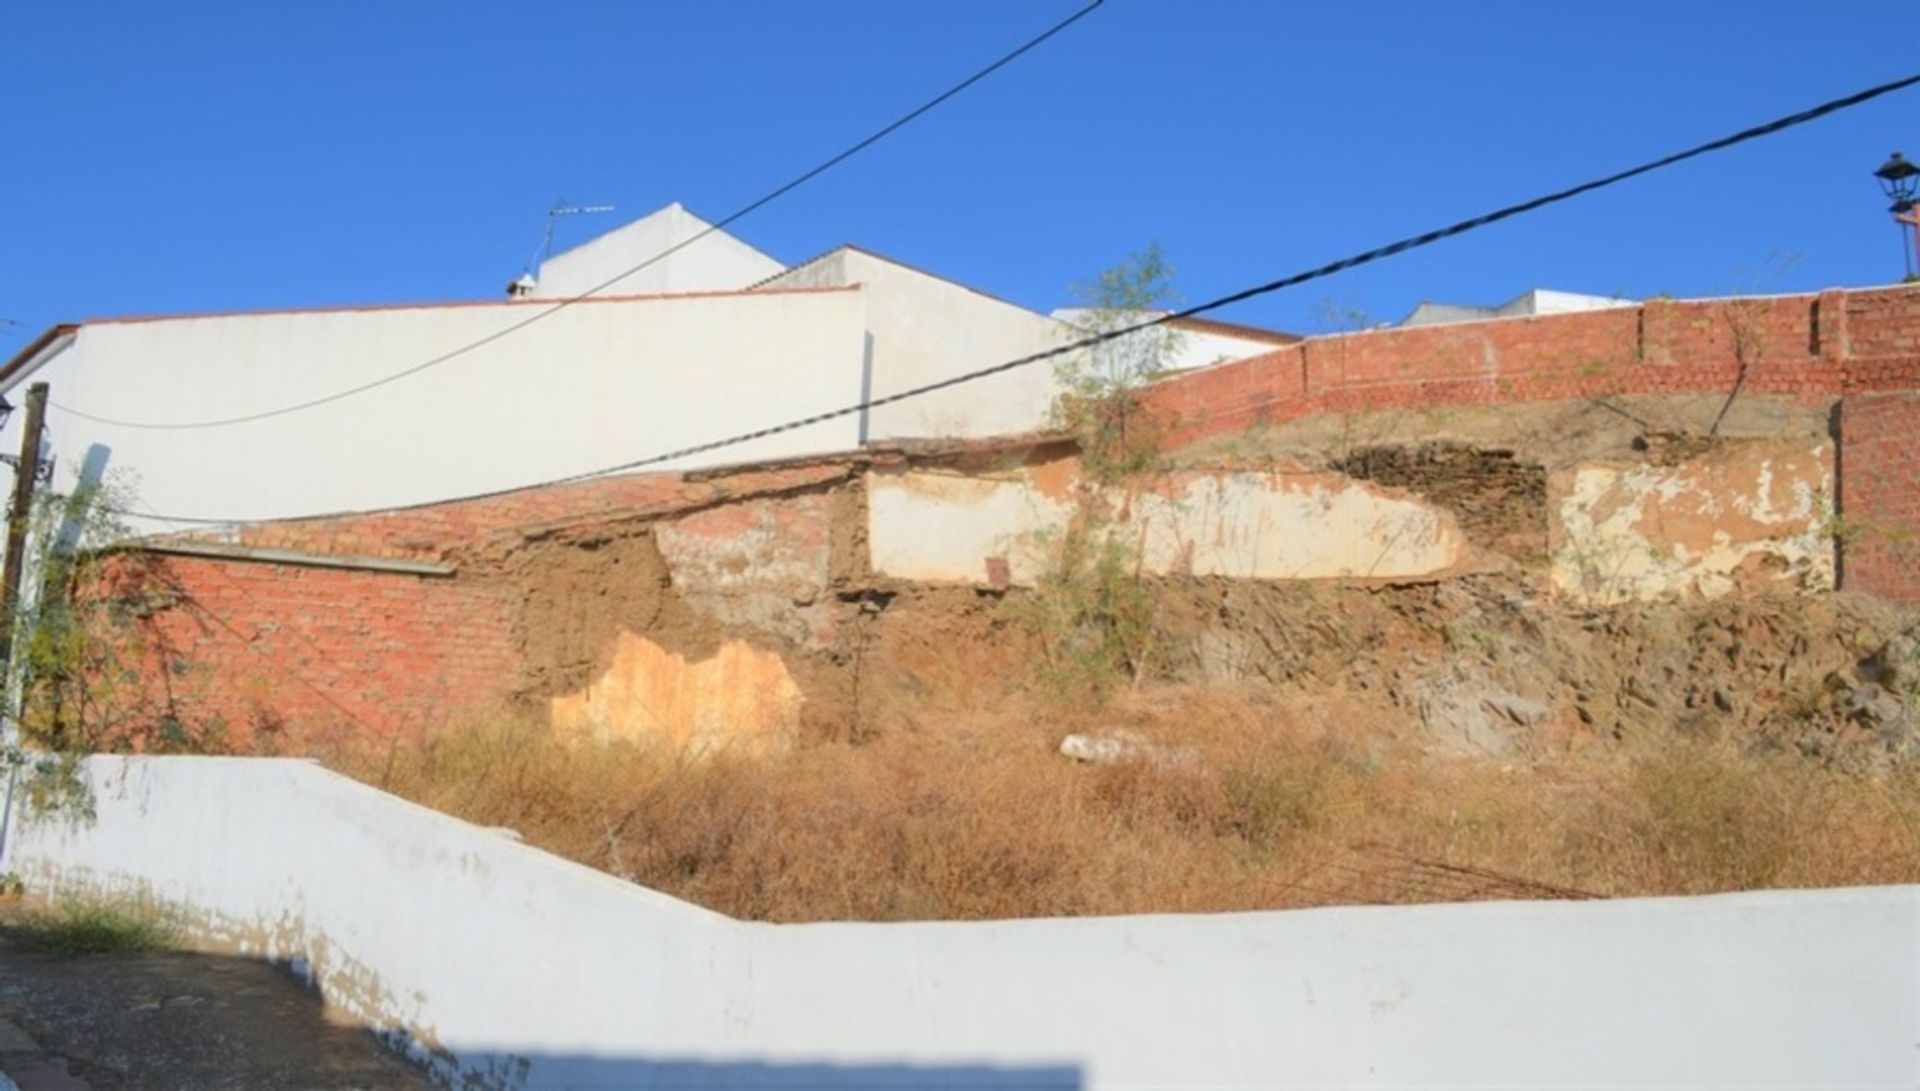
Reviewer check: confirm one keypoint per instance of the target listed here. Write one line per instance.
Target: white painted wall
(924, 329)
(941, 527)
(594, 384)
(717, 263)
(528, 971)
(1538, 301)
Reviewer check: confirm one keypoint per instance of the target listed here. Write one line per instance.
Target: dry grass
(960, 808)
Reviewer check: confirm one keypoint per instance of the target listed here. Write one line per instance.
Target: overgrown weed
(96, 926)
(983, 819)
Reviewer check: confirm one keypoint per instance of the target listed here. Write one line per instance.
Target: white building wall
(717, 263)
(1186, 347)
(924, 329)
(589, 386)
(526, 971)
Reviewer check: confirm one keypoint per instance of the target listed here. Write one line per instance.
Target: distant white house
(595, 384)
(717, 262)
(250, 416)
(1193, 342)
(922, 328)
(1535, 302)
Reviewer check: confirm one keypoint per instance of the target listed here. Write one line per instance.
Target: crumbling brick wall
(253, 650)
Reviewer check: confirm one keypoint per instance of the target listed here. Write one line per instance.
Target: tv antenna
(560, 209)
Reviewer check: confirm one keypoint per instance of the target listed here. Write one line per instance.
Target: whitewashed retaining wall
(942, 527)
(521, 970)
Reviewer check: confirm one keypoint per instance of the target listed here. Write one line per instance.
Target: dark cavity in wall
(1500, 500)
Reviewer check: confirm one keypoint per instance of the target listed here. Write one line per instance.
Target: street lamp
(1900, 179)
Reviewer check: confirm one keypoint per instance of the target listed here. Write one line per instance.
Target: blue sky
(201, 156)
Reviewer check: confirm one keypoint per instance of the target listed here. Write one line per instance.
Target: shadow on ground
(187, 1021)
(175, 1020)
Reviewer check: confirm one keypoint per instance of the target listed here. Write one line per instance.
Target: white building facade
(254, 416)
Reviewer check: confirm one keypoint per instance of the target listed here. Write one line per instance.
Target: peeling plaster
(1293, 526)
(1748, 511)
(945, 527)
(761, 565)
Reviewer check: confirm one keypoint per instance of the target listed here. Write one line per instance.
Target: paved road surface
(176, 1021)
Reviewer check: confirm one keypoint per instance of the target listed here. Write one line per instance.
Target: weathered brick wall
(1880, 494)
(1810, 346)
(252, 651)
(261, 649)
(1834, 344)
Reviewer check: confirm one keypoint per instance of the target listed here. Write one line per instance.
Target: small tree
(1090, 615)
(1099, 386)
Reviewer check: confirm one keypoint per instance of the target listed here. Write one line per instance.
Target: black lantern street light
(1900, 180)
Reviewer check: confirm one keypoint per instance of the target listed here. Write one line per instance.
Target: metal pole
(19, 516)
(1909, 221)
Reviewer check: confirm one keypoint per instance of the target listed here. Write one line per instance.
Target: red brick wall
(252, 650)
(435, 531)
(1880, 494)
(1812, 346)
(326, 653)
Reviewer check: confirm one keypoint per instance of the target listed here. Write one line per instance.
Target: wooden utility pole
(26, 474)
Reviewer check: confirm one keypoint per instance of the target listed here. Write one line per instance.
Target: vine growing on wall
(86, 653)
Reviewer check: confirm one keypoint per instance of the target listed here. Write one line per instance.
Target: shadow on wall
(93, 474)
(247, 1022)
(554, 1072)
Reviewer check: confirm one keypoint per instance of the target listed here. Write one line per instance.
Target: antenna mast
(563, 209)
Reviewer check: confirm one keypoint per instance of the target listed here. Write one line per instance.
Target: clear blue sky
(198, 156)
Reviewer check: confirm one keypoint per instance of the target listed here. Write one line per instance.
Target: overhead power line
(1411, 242)
(509, 330)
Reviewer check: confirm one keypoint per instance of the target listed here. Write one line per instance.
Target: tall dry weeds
(972, 814)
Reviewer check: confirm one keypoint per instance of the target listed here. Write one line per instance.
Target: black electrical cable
(1365, 257)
